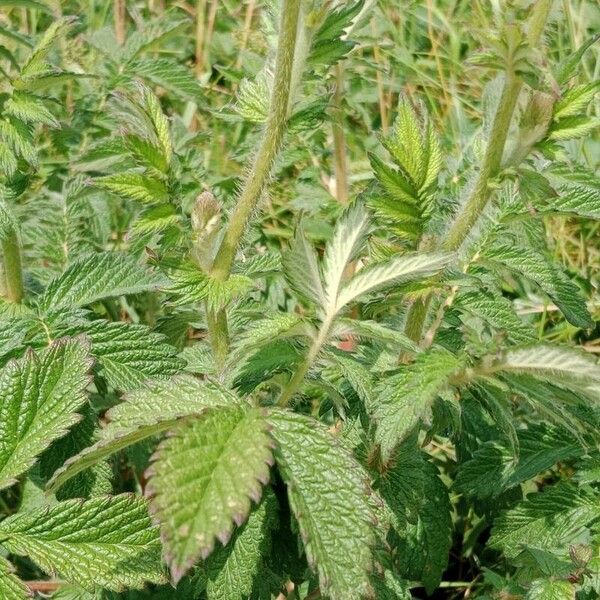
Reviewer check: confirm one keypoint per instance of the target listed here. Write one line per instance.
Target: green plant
(353, 406)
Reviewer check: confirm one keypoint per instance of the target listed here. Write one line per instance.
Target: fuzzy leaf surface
(399, 269)
(108, 541)
(128, 353)
(406, 398)
(327, 490)
(553, 518)
(563, 291)
(11, 587)
(98, 277)
(203, 478)
(232, 569)
(421, 515)
(146, 412)
(39, 398)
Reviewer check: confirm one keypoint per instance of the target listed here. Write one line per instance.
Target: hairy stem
(13, 271)
(263, 162)
(269, 145)
(478, 199)
(492, 162)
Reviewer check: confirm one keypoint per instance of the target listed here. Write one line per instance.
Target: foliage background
(416, 50)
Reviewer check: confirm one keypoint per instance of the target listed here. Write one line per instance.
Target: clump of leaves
(187, 411)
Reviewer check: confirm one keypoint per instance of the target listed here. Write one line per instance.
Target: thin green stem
(12, 267)
(492, 163)
(263, 162)
(298, 377)
(479, 197)
(269, 145)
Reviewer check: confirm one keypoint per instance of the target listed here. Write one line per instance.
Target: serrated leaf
(414, 146)
(202, 479)
(577, 192)
(560, 365)
(190, 284)
(135, 186)
(496, 310)
(371, 330)
(347, 239)
(129, 354)
(301, 268)
(573, 127)
(107, 541)
(576, 99)
(8, 161)
(421, 515)
(329, 43)
(98, 277)
(399, 269)
(552, 518)
(152, 108)
(11, 587)
(563, 291)
(16, 135)
(146, 412)
(406, 398)
(39, 397)
(493, 468)
(261, 333)
(168, 74)
(569, 67)
(30, 109)
(327, 490)
(12, 335)
(232, 569)
(36, 61)
(96, 481)
(551, 589)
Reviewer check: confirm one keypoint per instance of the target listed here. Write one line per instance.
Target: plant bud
(206, 221)
(206, 214)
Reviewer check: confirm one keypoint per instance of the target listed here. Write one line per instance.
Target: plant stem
(492, 162)
(210, 25)
(478, 199)
(119, 15)
(261, 168)
(200, 34)
(245, 32)
(298, 377)
(218, 332)
(269, 145)
(12, 267)
(339, 138)
(383, 117)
